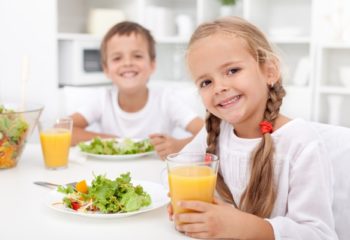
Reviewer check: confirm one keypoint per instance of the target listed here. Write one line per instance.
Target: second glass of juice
(192, 176)
(55, 138)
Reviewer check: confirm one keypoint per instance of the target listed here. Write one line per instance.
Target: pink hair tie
(266, 127)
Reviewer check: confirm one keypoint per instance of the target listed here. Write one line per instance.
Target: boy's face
(231, 83)
(128, 63)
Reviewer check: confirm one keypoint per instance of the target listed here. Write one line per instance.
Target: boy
(130, 109)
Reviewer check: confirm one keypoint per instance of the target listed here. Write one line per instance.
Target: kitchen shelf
(335, 45)
(91, 37)
(295, 37)
(293, 40)
(78, 36)
(335, 90)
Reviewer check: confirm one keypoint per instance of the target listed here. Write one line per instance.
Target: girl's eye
(138, 56)
(204, 83)
(233, 71)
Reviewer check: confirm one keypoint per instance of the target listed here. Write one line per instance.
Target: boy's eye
(232, 71)
(204, 83)
(138, 56)
(116, 59)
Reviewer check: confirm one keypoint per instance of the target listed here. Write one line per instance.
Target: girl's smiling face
(230, 81)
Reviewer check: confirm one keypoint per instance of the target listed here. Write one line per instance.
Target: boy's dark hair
(127, 28)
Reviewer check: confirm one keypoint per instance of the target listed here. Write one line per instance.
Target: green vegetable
(112, 147)
(228, 2)
(12, 125)
(13, 131)
(65, 190)
(109, 196)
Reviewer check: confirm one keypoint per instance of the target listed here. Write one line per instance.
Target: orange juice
(55, 145)
(191, 183)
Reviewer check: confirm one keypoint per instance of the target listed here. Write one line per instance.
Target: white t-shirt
(303, 175)
(161, 114)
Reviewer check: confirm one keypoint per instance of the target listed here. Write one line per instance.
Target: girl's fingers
(189, 218)
(170, 209)
(201, 235)
(219, 201)
(197, 206)
(191, 228)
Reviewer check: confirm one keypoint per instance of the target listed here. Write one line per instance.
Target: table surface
(24, 214)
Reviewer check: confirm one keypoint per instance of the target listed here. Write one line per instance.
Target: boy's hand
(164, 144)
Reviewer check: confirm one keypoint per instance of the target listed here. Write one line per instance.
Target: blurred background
(49, 51)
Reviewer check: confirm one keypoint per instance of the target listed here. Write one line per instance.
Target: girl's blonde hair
(260, 195)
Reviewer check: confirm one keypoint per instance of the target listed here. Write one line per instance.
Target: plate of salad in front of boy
(116, 149)
(108, 198)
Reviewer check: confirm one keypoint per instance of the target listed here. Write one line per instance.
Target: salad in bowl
(16, 124)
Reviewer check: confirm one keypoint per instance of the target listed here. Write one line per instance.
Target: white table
(23, 214)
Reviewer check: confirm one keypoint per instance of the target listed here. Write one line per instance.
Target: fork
(53, 185)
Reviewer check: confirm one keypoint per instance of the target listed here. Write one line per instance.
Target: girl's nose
(220, 86)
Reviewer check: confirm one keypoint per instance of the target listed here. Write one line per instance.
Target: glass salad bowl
(16, 125)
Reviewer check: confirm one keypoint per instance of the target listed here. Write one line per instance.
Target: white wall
(28, 29)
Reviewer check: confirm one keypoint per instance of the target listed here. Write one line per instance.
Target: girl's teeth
(235, 99)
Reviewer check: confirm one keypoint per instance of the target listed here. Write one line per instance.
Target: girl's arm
(79, 132)
(310, 192)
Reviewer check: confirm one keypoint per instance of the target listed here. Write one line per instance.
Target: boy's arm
(195, 126)
(165, 144)
(79, 132)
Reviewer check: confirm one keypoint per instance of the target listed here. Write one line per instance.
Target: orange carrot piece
(82, 187)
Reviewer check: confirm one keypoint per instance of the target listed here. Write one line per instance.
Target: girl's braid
(260, 194)
(213, 129)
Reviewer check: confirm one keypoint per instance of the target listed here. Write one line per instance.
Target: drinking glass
(192, 176)
(55, 138)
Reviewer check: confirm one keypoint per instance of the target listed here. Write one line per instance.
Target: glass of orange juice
(55, 138)
(192, 176)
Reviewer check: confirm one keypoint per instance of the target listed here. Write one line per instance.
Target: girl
(274, 176)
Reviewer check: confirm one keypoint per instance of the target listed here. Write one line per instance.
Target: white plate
(158, 193)
(116, 157)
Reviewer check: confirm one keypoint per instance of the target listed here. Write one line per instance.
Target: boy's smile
(128, 62)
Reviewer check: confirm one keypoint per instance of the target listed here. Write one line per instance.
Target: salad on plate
(105, 195)
(116, 148)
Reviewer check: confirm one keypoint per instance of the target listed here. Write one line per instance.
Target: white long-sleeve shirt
(303, 177)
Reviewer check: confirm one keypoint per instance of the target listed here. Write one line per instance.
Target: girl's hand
(164, 144)
(218, 220)
(170, 209)
(170, 212)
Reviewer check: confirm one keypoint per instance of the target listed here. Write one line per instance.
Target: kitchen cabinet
(332, 95)
(294, 26)
(276, 18)
(332, 63)
(293, 39)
